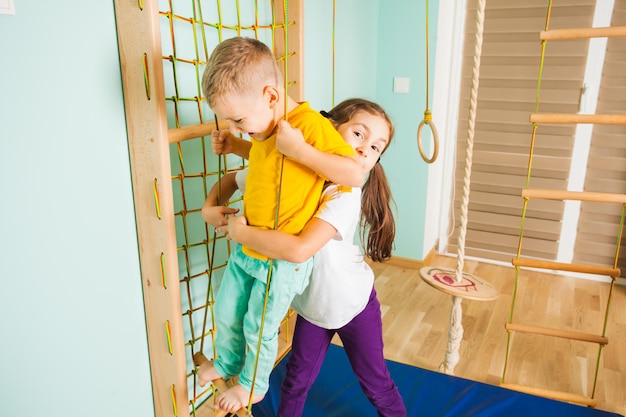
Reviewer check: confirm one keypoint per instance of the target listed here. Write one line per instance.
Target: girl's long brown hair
(377, 221)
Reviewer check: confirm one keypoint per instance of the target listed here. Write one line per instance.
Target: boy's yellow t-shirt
(301, 187)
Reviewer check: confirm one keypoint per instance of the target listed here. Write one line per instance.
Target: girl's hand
(217, 216)
(289, 140)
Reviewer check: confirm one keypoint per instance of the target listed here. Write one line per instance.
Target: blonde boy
(243, 85)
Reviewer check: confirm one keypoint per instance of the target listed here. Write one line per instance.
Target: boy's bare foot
(234, 399)
(206, 371)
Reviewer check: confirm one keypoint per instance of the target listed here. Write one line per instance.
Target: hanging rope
(332, 98)
(455, 334)
(199, 359)
(277, 213)
(209, 293)
(428, 117)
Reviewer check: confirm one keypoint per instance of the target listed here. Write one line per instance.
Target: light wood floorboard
(416, 320)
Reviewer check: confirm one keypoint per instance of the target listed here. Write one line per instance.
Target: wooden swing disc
(471, 287)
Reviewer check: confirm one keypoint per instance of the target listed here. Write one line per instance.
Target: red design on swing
(466, 284)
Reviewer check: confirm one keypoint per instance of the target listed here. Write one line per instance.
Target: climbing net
(189, 32)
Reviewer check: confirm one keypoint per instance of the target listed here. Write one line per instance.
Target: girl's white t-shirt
(341, 281)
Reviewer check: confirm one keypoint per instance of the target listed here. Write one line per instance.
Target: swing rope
(428, 117)
(455, 333)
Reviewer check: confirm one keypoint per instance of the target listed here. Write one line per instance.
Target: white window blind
(509, 71)
(598, 225)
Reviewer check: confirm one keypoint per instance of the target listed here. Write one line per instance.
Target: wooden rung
(565, 334)
(199, 358)
(194, 131)
(215, 413)
(558, 266)
(556, 395)
(574, 195)
(582, 33)
(556, 118)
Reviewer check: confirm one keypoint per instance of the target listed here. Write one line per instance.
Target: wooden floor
(416, 320)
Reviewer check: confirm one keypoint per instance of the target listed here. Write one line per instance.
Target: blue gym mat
(336, 393)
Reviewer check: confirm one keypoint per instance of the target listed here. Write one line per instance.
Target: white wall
(73, 340)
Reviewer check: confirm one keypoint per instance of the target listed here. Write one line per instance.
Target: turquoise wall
(74, 335)
(376, 41)
(356, 37)
(73, 339)
(401, 53)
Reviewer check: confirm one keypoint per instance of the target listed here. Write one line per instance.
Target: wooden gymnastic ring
(435, 141)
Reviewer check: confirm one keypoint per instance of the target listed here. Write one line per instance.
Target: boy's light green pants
(238, 310)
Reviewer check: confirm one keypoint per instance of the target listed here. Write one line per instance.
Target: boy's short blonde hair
(239, 66)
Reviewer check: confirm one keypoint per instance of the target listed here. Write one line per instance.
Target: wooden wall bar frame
(141, 63)
(146, 123)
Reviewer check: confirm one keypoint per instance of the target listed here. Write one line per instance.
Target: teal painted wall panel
(74, 334)
(401, 53)
(376, 41)
(355, 51)
(71, 287)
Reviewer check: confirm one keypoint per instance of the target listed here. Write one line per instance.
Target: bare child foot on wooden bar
(235, 398)
(206, 371)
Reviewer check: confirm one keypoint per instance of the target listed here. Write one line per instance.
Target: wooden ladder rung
(574, 195)
(199, 130)
(582, 33)
(556, 395)
(565, 334)
(557, 118)
(558, 266)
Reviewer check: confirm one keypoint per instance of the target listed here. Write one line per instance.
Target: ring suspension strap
(428, 117)
(333, 53)
(280, 183)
